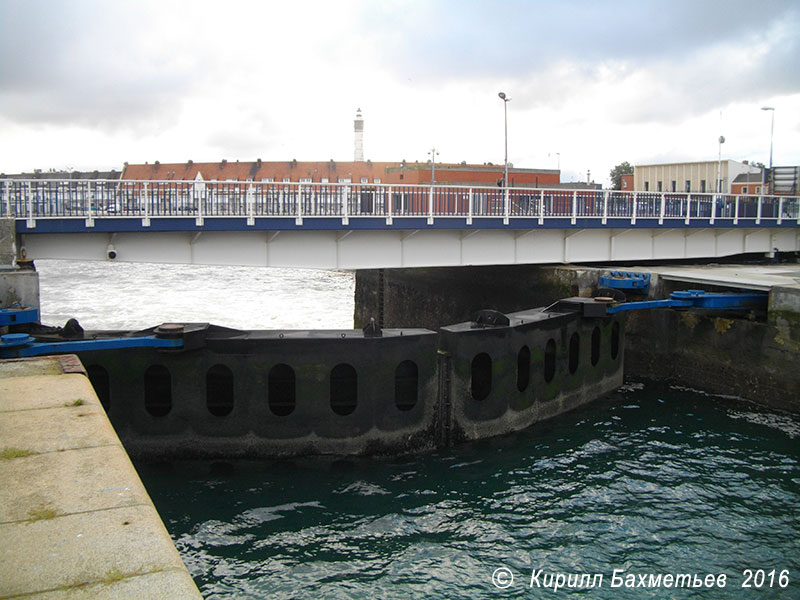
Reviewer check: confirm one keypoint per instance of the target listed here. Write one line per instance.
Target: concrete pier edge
(75, 519)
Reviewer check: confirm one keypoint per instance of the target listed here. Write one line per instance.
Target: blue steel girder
(23, 345)
(698, 299)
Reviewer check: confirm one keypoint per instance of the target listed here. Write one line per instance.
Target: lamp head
(502, 95)
(767, 108)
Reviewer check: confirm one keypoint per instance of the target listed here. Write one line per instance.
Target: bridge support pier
(17, 286)
(430, 297)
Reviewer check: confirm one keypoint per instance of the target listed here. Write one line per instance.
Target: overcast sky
(91, 84)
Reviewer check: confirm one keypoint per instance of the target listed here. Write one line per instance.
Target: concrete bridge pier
(431, 297)
(17, 285)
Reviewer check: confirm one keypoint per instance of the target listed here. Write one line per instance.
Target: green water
(650, 480)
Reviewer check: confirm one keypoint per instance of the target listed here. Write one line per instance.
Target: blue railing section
(90, 199)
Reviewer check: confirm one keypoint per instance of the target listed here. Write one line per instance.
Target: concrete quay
(75, 520)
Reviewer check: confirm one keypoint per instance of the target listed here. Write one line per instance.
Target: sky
(90, 85)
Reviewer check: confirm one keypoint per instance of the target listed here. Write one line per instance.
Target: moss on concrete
(10, 452)
(43, 512)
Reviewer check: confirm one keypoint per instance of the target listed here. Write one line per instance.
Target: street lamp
(719, 165)
(433, 154)
(771, 132)
(505, 114)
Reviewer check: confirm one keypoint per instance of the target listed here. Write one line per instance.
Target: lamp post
(771, 132)
(433, 154)
(505, 115)
(719, 165)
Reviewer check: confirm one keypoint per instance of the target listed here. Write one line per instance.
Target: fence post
(469, 208)
(346, 206)
(736, 211)
(389, 207)
(146, 218)
(758, 210)
(249, 204)
(541, 207)
(507, 206)
(713, 209)
(633, 209)
(688, 209)
(662, 209)
(574, 207)
(780, 210)
(30, 221)
(605, 207)
(89, 200)
(299, 201)
(430, 207)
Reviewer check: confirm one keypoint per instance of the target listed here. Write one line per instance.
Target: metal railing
(95, 199)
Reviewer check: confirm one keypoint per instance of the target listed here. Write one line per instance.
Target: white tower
(358, 128)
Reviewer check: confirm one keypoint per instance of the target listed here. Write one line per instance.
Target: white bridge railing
(99, 199)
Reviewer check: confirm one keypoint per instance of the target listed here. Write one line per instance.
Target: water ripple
(701, 488)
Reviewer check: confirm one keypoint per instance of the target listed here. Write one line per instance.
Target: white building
(703, 176)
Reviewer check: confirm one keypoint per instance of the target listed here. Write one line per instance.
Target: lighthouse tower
(358, 128)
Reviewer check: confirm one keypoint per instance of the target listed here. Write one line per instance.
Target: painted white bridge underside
(420, 248)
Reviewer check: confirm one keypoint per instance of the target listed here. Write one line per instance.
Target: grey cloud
(82, 62)
(525, 42)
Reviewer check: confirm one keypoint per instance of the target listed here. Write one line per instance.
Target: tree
(617, 172)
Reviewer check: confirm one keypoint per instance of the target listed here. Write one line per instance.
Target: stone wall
(432, 297)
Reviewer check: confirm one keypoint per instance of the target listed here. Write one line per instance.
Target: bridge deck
(373, 225)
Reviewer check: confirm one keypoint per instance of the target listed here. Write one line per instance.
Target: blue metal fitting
(18, 315)
(626, 280)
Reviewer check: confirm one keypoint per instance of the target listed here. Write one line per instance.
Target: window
(286, 180)
(702, 186)
(376, 180)
(365, 180)
(481, 385)
(157, 390)
(345, 180)
(267, 180)
(688, 187)
(281, 390)
(305, 180)
(744, 189)
(595, 346)
(219, 390)
(406, 385)
(674, 186)
(324, 180)
(344, 389)
(646, 186)
(574, 352)
(523, 368)
(758, 189)
(660, 186)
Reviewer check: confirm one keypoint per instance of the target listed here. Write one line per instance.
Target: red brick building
(341, 172)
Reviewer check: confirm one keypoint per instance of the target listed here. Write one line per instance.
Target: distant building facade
(54, 174)
(341, 172)
(749, 183)
(699, 177)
